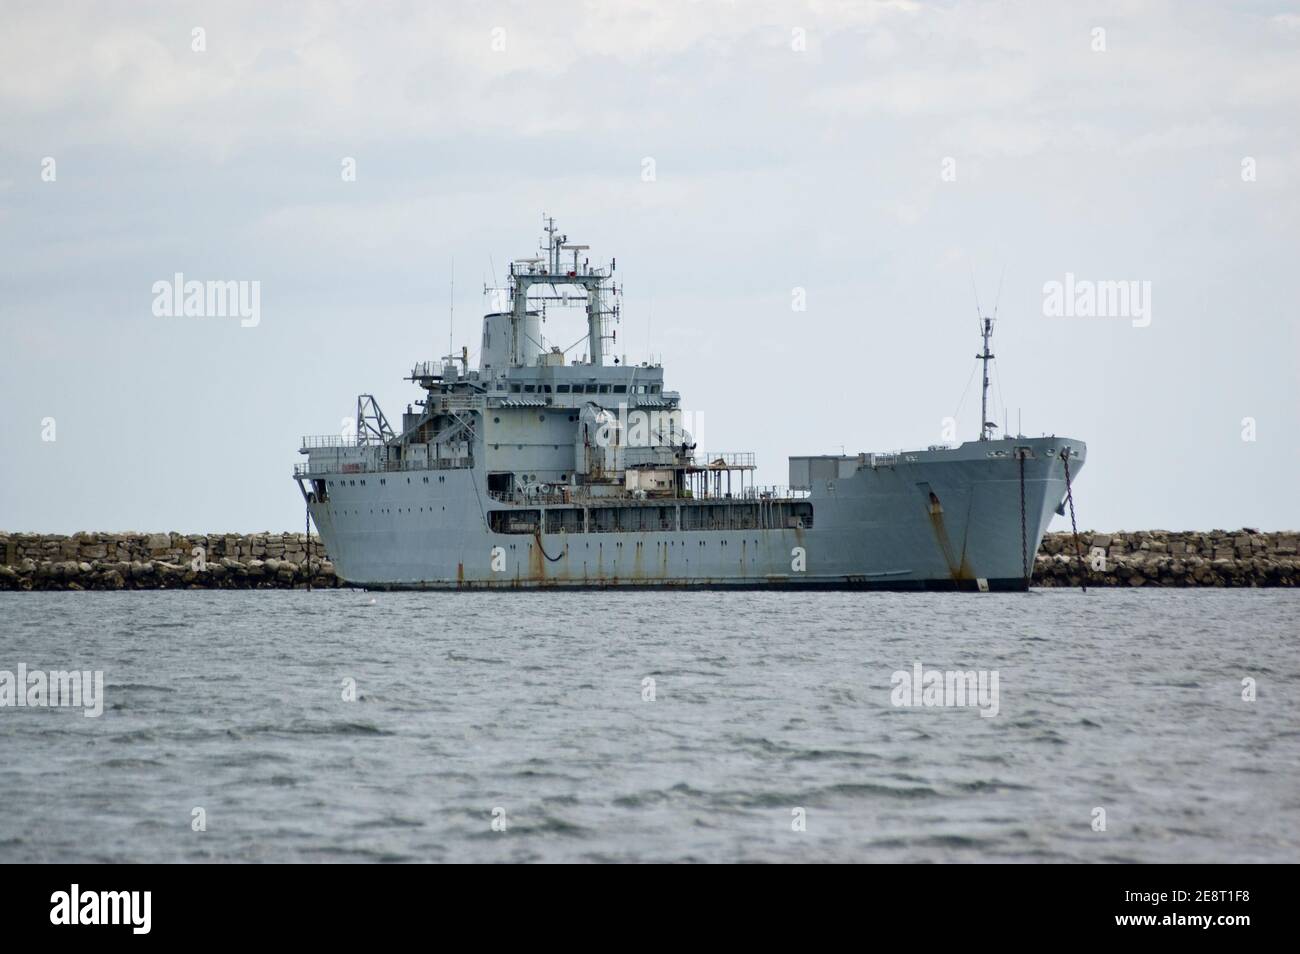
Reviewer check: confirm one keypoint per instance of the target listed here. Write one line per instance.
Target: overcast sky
(877, 156)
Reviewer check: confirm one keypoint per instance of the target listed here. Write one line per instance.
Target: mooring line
(308, 547)
(538, 535)
(1069, 495)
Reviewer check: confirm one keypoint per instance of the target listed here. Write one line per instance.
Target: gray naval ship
(544, 468)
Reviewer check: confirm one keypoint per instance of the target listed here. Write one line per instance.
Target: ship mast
(986, 426)
(552, 246)
(552, 272)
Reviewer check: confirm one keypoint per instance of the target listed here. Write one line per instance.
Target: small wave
(130, 763)
(547, 825)
(955, 841)
(136, 687)
(130, 738)
(301, 727)
(457, 657)
(390, 821)
(992, 785)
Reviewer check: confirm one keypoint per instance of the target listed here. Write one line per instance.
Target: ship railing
(566, 270)
(520, 498)
(318, 441)
(429, 369)
(536, 498)
(336, 467)
(748, 494)
(774, 492)
(456, 402)
(721, 459)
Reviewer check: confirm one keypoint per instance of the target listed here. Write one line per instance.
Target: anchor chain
(1074, 527)
(309, 548)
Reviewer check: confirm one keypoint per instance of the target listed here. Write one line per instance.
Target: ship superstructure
(544, 467)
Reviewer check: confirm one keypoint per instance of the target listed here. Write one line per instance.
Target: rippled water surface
(764, 703)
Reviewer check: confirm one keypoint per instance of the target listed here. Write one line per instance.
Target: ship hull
(936, 520)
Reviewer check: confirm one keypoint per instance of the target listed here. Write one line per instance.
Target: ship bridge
(535, 421)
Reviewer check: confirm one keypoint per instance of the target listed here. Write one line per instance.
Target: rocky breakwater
(1244, 557)
(153, 561)
(157, 561)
